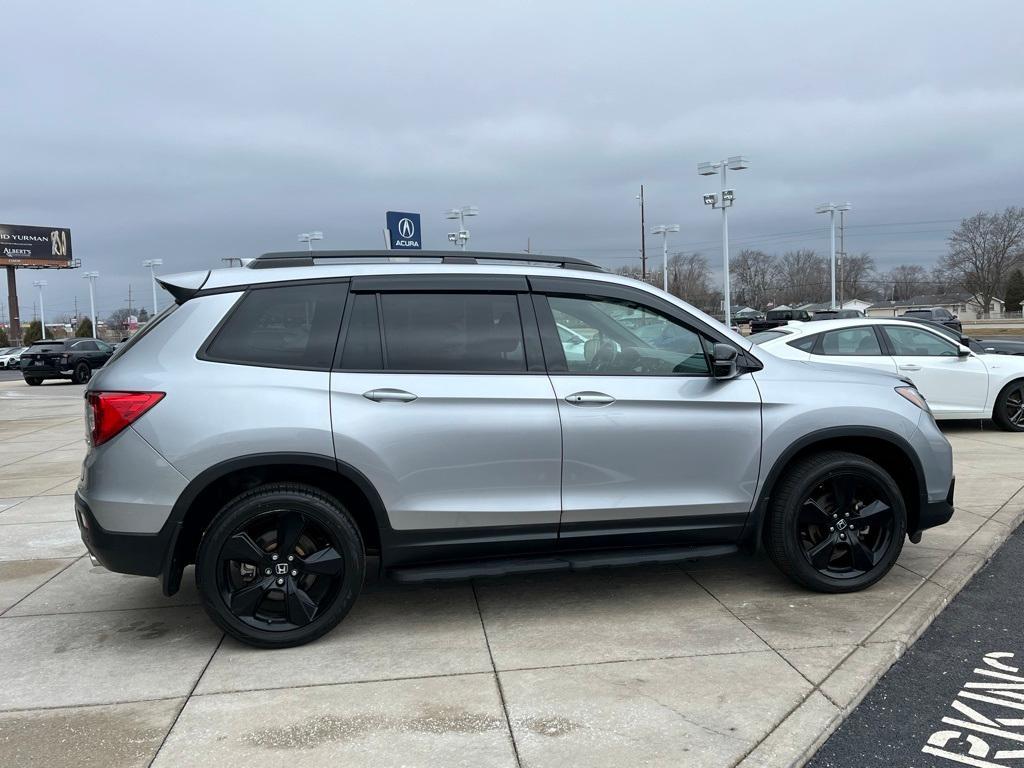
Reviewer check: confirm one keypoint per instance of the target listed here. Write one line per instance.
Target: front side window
(850, 341)
(624, 338)
(454, 332)
(285, 326)
(916, 343)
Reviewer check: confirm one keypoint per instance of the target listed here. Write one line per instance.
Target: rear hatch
(45, 355)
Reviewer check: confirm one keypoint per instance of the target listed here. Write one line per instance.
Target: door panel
(454, 451)
(666, 448)
(953, 385)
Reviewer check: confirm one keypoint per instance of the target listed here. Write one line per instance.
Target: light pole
(153, 264)
(663, 230)
(40, 284)
(643, 236)
(309, 237)
(830, 209)
(461, 237)
(91, 277)
(724, 200)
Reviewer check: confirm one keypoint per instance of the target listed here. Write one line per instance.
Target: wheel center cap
(841, 525)
(280, 568)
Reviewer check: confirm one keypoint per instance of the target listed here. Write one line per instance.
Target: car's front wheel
(837, 522)
(33, 381)
(1008, 413)
(280, 565)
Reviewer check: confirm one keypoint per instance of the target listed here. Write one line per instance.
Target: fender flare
(752, 534)
(172, 566)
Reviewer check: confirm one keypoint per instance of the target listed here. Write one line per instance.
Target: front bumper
(141, 554)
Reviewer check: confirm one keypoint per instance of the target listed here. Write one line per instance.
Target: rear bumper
(141, 554)
(936, 512)
(44, 372)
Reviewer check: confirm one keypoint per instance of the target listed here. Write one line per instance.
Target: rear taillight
(110, 412)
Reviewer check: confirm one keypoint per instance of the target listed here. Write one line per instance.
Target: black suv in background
(936, 315)
(778, 317)
(73, 359)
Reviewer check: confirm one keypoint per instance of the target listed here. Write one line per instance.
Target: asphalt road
(967, 668)
(10, 375)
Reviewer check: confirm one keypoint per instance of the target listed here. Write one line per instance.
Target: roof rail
(308, 259)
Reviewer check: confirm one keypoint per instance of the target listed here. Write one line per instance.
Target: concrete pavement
(720, 664)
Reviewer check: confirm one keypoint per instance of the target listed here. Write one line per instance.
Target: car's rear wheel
(837, 522)
(1008, 413)
(33, 381)
(280, 565)
(82, 373)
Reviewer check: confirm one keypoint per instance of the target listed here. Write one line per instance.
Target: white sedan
(957, 382)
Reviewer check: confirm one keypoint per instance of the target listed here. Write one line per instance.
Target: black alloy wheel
(1009, 410)
(280, 566)
(836, 522)
(846, 524)
(280, 571)
(82, 373)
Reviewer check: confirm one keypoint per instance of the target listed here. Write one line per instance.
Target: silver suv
(453, 416)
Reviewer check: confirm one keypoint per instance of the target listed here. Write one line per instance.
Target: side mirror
(965, 340)
(963, 352)
(724, 362)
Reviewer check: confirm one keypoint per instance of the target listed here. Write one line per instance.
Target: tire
(1008, 413)
(33, 381)
(82, 373)
(864, 536)
(233, 550)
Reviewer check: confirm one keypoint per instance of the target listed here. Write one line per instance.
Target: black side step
(567, 561)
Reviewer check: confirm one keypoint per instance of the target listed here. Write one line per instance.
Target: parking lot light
(830, 209)
(40, 284)
(461, 237)
(309, 237)
(724, 200)
(91, 277)
(663, 230)
(152, 264)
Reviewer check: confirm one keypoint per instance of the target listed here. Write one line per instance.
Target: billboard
(22, 246)
(403, 231)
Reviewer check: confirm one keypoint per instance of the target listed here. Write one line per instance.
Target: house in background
(964, 305)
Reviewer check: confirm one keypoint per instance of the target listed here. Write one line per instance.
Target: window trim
(555, 352)
(203, 352)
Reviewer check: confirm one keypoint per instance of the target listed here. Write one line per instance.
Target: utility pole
(129, 300)
(643, 236)
(830, 209)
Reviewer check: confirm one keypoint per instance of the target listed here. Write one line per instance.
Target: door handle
(589, 398)
(910, 367)
(389, 396)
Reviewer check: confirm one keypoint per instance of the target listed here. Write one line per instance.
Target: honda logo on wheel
(403, 230)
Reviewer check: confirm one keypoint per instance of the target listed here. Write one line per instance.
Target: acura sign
(403, 231)
(22, 246)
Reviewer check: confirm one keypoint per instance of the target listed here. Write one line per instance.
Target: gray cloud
(193, 131)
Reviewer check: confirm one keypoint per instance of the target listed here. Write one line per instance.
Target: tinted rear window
(452, 332)
(286, 327)
(763, 336)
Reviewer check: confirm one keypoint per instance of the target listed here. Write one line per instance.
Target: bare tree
(689, 278)
(942, 282)
(755, 278)
(983, 251)
(906, 281)
(856, 275)
(803, 276)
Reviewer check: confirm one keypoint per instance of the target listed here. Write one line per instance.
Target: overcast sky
(191, 131)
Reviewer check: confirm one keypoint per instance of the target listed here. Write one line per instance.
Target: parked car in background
(9, 356)
(773, 318)
(959, 382)
(73, 358)
(739, 320)
(936, 315)
(290, 420)
(1002, 346)
(836, 314)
